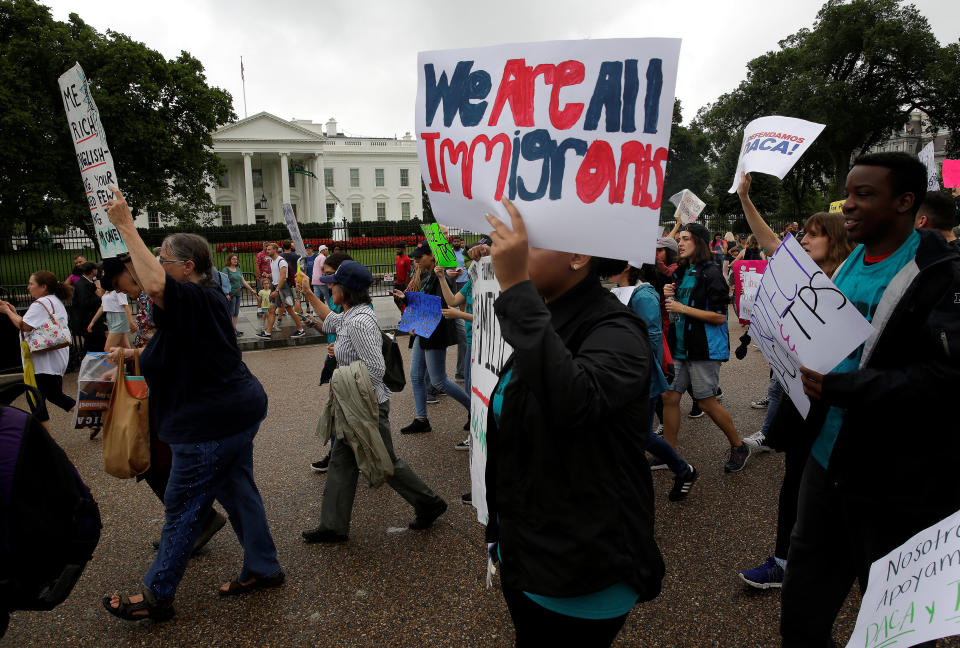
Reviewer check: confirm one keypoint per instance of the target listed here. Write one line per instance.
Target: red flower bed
(353, 243)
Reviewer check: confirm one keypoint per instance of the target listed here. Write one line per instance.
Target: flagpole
(244, 81)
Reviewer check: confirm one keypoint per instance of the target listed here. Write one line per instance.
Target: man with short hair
(860, 497)
(939, 212)
(282, 294)
(292, 259)
(262, 262)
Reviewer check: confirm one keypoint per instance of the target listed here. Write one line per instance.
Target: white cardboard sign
(575, 133)
(773, 145)
(688, 205)
(926, 156)
(488, 354)
(291, 221)
(913, 593)
(93, 156)
(800, 318)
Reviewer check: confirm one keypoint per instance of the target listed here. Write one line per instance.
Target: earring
(576, 266)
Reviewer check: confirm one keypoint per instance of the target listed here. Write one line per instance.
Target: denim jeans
(201, 472)
(436, 361)
(461, 345)
(774, 393)
(662, 450)
(320, 292)
(466, 371)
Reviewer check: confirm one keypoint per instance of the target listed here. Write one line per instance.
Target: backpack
(393, 376)
(49, 522)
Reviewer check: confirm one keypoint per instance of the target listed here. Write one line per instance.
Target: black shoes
(322, 535)
(418, 426)
(426, 520)
(322, 465)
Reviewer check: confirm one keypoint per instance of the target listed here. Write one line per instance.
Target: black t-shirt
(445, 334)
(751, 254)
(200, 389)
(291, 258)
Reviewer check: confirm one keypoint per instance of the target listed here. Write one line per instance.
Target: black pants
(52, 389)
(794, 462)
(537, 626)
(838, 534)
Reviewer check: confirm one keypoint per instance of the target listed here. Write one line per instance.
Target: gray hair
(192, 247)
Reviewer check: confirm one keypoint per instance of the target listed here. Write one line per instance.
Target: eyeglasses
(166, 261)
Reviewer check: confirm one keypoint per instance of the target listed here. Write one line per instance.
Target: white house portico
(270, 161)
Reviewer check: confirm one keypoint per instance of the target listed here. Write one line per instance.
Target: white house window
(378, 177)
(355, 212)
(226, 216)
(327, 177)
(153, 220)
(261, 217)
(225, 179)
(331, 210)
(381, 211)
(404, 177)
(354, 177)
(405, 210)
(257, 177)
(293, 179)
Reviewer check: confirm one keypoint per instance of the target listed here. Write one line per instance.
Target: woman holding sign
(568, 490)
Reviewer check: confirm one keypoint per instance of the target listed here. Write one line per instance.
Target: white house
(271, 161)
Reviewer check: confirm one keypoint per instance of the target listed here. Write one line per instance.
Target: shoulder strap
(48, 311)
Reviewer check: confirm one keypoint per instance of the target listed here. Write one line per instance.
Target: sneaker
(463, 445)
(426, 520)
(737, 458)
(264, 335)
(466, 499)
(299, 333)
(756, 442)
(656, 464)
(239, 333)
(659, 430)
(719, 394)
(436, 392)
(695, 411)
(418, 425)
(432, 400)
(761, 404)
(322, 465)
(322, 535)
(682, 484)
(767, 575)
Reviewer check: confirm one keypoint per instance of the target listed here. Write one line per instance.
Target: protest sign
(773, 145)
(926, 156)
(422, 314)
(439, 247)
(291, 221)
(575, 133)
(800, 318)
(951, 173)
(746, 283)
(913, 593)
(93, 156)
(688, 205)
(836, 207)
(488, 353)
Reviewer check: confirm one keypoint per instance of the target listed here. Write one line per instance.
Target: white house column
(320, 195)
(284, 178)
(305, 202)
(250, 216)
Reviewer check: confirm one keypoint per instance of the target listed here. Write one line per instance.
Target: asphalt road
(390, 587)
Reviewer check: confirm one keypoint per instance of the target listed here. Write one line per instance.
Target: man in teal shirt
(866, 489)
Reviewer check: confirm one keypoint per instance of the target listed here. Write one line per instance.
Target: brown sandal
(259, 582)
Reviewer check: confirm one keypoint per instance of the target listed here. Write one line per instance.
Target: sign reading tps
(575, 132)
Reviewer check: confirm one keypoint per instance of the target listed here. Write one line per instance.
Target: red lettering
(454, 152)
(566, 74)
(488, 145)
(516, 87)
(659, 165)
(435, 184)
(638, 155)
(597, 170)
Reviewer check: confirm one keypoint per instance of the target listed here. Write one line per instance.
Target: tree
(687, 166)
(862, 68)
(158, 116)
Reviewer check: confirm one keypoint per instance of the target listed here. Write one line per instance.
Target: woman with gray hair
(210, 407)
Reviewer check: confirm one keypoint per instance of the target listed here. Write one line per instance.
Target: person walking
(115, 307)
(359, 353)
(207, 406)
(282, 293)
(237, 285)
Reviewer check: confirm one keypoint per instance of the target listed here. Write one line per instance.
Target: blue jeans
(321, 292)
(201, 472)
(436, 361)
(661, 449)
(774, 393)
(461, 345)
(466, 371)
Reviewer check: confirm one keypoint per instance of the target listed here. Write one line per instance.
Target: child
(264, 305)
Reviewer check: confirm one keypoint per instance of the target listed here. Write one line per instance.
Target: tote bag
(126, 424)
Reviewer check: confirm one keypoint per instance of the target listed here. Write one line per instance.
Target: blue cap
(350, 274)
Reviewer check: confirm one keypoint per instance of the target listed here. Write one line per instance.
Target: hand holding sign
(510, 249)
(773, 145)
(422, 314)
(688, 206)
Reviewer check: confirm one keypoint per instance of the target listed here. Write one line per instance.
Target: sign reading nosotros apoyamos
(576, 133)
(93, 156)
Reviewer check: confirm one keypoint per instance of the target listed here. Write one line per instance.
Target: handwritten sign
(575, 133)
(489, 352)
(291, 221)
(422, 314)
(746, 284)
(688, 205)
(926, 156)
(951, 173)
(913, 593)
(800, 318)
(773, 145)
(93, 156)
(441, 250)
(836, 207)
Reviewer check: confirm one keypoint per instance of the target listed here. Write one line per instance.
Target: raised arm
(767, 238)
(150, 273)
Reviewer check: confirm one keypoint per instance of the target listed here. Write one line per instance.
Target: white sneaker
(463, 445)
(659, 430)
(756, 443)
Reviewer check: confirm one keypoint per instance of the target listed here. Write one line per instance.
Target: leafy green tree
(158, 116)
(687, 166)
(861, 69)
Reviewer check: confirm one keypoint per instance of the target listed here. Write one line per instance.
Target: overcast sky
(356, 61)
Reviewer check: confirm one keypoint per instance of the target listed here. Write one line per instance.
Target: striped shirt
(359, 338)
